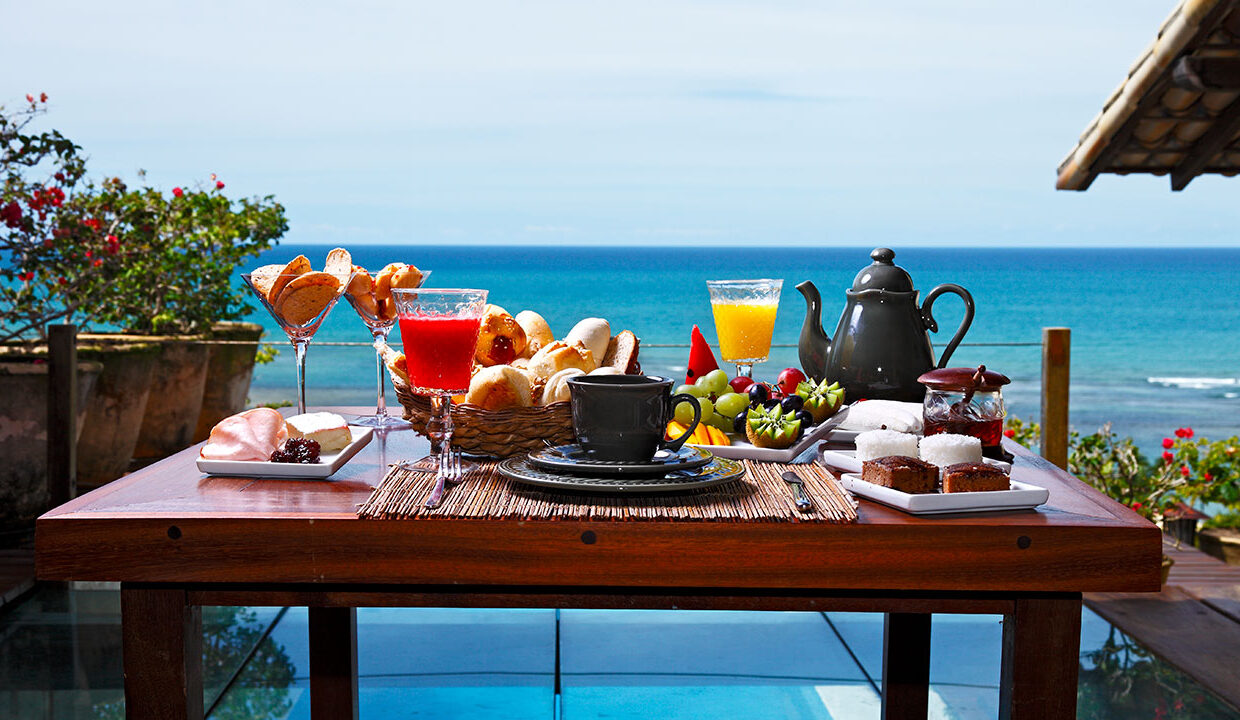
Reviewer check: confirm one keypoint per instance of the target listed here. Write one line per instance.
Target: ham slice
(251, 435)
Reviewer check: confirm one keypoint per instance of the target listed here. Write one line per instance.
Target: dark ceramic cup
(623, 417)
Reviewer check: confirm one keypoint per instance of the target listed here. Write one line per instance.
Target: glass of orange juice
(744, 319)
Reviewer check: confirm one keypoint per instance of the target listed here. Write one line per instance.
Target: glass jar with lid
(966, 401)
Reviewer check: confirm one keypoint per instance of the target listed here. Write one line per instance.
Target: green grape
(721, 422)
(684, 413)
(693, 390)
(729, 404)
(716, 380)
(707, 408)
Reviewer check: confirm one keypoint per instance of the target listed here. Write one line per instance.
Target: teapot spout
(813, 345)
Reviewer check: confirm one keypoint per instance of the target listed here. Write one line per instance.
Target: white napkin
(877, 414)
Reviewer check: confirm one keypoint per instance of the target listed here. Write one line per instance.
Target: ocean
(1155, 332)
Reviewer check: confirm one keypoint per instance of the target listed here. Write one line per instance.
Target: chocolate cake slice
(901, 472)
(974, 477)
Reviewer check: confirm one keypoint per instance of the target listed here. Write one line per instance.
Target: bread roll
(606, 370)
(592, 334)
(558, 356)
(395, 361)
(499, 387)
(622, 353)
(537, 331)
(501, 340)
(556, 389)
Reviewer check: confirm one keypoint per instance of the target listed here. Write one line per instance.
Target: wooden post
(333, 663)
(906, 665)
(1056, 355)
(161, 646)
(1041, 659)
(62, 404)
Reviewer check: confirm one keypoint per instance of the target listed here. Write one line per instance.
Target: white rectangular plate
(742, 448)
(1022, 496)
(325, 467)
(846, 460)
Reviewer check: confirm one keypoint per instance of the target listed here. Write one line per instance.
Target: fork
(449, 471)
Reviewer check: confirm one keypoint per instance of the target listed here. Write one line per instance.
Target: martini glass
(744, 313)
(439, 329)
(299, 303)
(379, 315)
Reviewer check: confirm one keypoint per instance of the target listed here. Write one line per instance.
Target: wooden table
(177, 540)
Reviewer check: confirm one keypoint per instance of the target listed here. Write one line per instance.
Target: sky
(664, 122)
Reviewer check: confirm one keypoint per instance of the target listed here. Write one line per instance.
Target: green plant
(181, 250)
(54, 261)
(1210, 468)
(1116, 467)
(1122, 679)
(1229, 519)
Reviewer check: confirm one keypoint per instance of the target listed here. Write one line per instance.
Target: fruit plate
(1022, 496)
(325, 467)
(716, 472)
(846, 460)
(743, 449)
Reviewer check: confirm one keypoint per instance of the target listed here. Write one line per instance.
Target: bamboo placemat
(484, 494)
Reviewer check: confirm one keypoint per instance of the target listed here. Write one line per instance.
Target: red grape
(741, 384)
(789, 379)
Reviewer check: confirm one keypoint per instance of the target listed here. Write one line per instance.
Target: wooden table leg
(333, 663)
(1041, 659)
(906, 665)
(162, 648)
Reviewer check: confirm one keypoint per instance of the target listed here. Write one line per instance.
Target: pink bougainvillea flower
(177, 192)
(1168, 457)
(1168, 443)
(1188, 432)
(1185, 471)
(29, 97)
(219, 184)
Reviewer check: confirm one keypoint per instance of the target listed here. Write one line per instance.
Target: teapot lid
(883, 274)
(965, 379)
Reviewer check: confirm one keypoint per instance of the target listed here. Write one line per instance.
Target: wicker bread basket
(496, 433)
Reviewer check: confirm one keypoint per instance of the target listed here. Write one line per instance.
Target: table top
(170, 523)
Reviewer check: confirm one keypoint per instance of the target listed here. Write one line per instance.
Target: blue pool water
(1155, 332)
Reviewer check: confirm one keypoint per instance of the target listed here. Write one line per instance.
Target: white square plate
(1022, 496)
(325, 467)
(742, 448)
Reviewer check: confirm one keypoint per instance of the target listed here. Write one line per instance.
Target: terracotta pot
(114, 413)
(229, 371)
(23, 435)
(1222, 543)
(176, 391)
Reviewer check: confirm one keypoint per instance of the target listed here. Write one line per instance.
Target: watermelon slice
(701, 358)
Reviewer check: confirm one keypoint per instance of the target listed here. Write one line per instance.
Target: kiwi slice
(771, 428)
(821, 399)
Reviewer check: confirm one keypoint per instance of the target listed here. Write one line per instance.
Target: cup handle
(675, 444)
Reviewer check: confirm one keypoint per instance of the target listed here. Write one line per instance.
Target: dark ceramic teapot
(881, 346)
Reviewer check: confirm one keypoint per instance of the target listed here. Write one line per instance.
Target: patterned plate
(572, 459)
(716, 472)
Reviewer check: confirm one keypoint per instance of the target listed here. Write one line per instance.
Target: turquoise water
(1155, 333)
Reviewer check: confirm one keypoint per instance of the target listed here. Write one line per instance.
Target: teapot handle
(933, 325)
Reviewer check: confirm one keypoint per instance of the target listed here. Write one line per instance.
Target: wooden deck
(16, 574)
(1194, 623)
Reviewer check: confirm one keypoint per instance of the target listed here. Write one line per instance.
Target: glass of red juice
(439, 329)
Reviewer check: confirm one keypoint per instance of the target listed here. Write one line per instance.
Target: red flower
(1009, 433)
(1168, 443)
(92, 223)
(88, 253)
(177, 192)
(42, 97)
(47, 242)
(11, 214)
(62, 280)
(1188, 432)
(29, 97)
(111, 240)
(1185, 471)
(97, 262)
(60, 177)
(219, 184)
(1207, 477)
(26, 276)
(1137, 506)
(1168, 457)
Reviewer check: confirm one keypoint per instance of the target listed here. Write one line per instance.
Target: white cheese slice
(329, 430)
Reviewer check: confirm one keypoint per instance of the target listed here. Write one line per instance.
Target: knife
(798, 487)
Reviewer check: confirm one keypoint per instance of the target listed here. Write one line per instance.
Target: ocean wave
(1193, 383)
